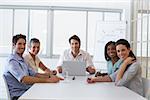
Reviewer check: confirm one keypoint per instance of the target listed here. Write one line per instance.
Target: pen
(73, 78)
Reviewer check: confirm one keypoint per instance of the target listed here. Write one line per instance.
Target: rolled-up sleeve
(89, 60)
(16, 70)
(129, 74)
(109, 68)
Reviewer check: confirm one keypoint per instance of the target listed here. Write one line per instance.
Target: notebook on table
(74, 68)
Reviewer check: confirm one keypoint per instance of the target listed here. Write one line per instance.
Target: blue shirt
(112, 68)
(15, 70)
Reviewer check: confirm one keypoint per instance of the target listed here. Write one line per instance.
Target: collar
(15, 56)
(29, 55)
(80, 52)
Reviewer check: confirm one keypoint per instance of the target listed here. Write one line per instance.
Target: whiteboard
(104, 32)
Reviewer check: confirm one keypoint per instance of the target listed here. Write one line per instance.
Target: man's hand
(53, 79)
(91, 70)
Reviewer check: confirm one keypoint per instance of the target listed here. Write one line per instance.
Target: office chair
(6, 87)
(146, 87)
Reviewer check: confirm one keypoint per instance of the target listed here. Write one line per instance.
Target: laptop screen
(74, 68)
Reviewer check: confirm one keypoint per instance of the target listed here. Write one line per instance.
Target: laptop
(74, 68)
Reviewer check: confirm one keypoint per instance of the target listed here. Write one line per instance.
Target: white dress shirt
(82, 56)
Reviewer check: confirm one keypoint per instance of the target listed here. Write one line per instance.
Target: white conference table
(79, 89)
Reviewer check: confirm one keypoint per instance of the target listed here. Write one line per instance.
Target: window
(21, 22)
(99, 34)
(93, 18)
(141, 31)
(66, 24)
(142, 35)
(6, 22)
(38, 28)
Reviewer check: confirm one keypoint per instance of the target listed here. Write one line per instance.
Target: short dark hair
(17, 37)
(126, 43)
(107, 58)
(34, 40)
(75, 37)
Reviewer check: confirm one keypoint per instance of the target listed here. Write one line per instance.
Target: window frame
(50, 17)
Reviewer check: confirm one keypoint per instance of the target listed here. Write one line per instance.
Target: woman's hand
(91, 70)
(92, 79)
(47, 70)
(129, 60)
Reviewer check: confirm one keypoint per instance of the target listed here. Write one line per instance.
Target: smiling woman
(113, 62)
(32, 57)
(129, 73)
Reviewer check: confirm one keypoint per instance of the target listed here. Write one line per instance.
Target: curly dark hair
(75, 37)
(17, 37)
(126, 43)
(107, 58)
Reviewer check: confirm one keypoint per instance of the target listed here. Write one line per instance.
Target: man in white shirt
(76, 54)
